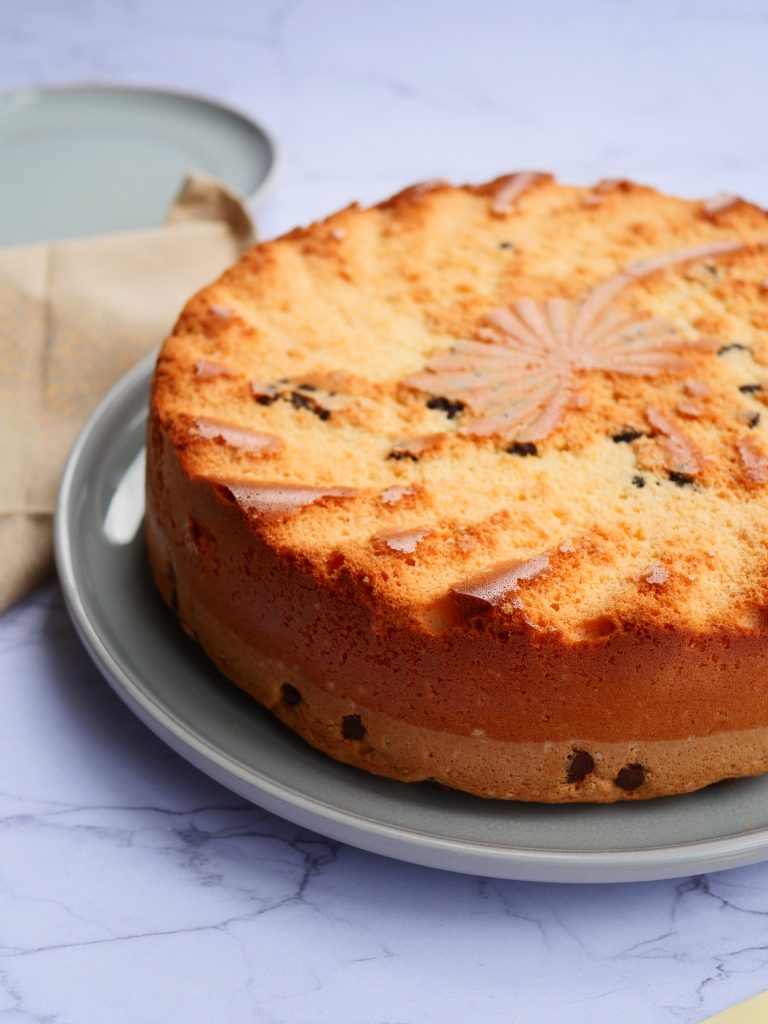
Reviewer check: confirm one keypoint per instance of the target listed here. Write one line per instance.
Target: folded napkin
(74, 316)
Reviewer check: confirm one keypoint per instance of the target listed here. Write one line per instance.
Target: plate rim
(252, 199)
(393, 840)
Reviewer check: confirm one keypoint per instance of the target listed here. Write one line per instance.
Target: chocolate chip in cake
(579, 766)
(403, 455)
(352, 727)
(638, 481)
(291, 695)
(522, 448)
(733, 346)
(506, 246)
(626, 436)
(306, 387)
(301, 401)
(749, 417)
(681, 479)
(750, 389)
(265, 394)
(450, 408)
(630, 777)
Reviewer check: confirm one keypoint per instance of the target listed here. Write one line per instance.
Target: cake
(472, 486)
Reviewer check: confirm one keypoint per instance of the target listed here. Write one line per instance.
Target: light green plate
(88, 160)
(174, 689)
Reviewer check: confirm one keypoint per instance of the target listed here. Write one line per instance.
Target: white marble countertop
(134, 889)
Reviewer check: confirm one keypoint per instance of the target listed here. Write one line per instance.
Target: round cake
(472, 486)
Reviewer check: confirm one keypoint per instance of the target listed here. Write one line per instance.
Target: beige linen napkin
(74, 316)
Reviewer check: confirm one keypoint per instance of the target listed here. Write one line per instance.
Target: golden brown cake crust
(471, 486)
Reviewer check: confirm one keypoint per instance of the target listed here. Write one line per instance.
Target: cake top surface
(526, 401)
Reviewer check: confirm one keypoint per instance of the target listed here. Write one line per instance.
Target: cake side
(651, 714)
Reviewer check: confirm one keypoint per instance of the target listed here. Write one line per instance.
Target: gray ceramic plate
(87, 160)
(172, 687)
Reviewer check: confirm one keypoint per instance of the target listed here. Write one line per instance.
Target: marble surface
(134, 889)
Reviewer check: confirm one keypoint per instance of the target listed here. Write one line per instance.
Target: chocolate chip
(638, 481)
(753, 419)
(734, 346)
(522, 448)
(352, 727)
(450, 408)
(631, 777)
(291, 695)
(750, 389)
(681, 479)
(265, 394)
(579, 766)
(306, 387)
(626, 436)
(300, 401)
(506, 245)
(403, 455)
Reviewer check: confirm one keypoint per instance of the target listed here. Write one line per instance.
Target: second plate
(121, 153)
